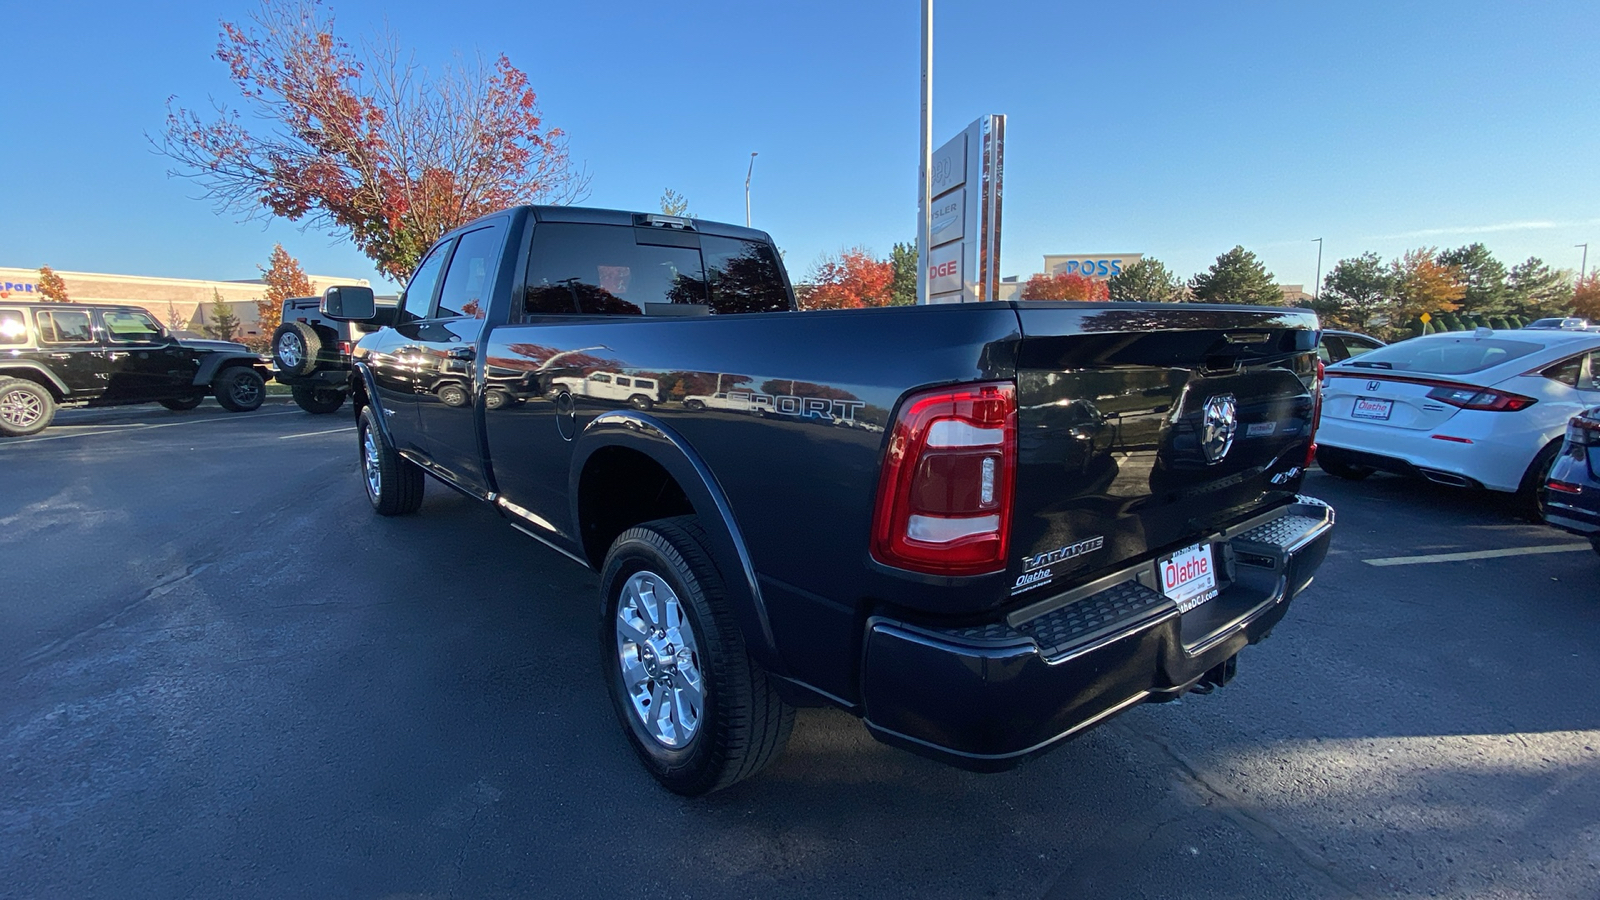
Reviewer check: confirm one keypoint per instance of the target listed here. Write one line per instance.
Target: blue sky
(1175, 129)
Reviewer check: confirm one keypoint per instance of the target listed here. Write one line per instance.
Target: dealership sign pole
(962, 264)
(924, 193)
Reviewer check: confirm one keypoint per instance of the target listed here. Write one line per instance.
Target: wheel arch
(43, 377)
(213, 364)
(627, 469)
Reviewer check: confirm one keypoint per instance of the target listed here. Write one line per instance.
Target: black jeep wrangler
(76, 354)
(311, 354)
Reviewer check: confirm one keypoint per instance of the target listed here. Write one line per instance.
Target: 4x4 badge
(1219, 424)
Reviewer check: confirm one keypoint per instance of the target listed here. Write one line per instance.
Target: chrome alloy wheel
(20, 409)
(369, 464)
(290, 353)
(660, 660)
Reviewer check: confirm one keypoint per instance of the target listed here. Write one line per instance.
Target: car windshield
(1445, 356)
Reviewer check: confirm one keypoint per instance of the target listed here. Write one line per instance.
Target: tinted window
(1445, 356)
(419, 293)
(743, 276)
(1567, 371)
(130, 326)
(466, 286)
(602, 270)
(64, 327)
(1358, 346)
(13, 330)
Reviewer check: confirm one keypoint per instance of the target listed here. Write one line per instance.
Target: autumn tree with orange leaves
(370, 146)
(52, 287)
(285, 279)
(1422, 284)
(849, 279)
(1064, 286)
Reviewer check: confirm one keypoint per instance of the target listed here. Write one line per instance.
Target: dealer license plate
(1189, 577)
(1371, 408)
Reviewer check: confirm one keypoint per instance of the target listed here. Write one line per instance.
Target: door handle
(61, 356)
(461, 353)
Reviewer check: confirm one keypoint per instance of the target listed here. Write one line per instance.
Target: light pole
(925, 176)
(1316, 289)
(1583, 266)
(747, 173)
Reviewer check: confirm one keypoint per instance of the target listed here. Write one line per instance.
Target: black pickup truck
(982, 528)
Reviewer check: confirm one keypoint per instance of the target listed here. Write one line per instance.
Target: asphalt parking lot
(225, 677)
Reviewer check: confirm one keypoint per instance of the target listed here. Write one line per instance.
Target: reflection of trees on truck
(640, 392)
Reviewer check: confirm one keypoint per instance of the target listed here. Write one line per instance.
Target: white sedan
(1481, 409)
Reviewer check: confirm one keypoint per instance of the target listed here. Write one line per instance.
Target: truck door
(447, 340)
(394, 357)
(142, 360)
(69, 347)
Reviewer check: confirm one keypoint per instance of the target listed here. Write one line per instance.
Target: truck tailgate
(1144, 428)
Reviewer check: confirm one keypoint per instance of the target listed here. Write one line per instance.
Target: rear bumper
(1491, 460)
(987, 698)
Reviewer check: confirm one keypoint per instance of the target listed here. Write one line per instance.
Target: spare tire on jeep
(295, 346)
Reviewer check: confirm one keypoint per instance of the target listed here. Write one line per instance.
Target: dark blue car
(1574, 487)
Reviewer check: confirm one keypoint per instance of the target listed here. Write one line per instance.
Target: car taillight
(1486, 399)
(1583, 432)
(1316, 414)
(344, 347)
(944, 501)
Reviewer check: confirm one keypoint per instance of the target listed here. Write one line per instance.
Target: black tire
(452, 394)
(25, 408)
(694, 404)
(1342, 470)
(181, 404)
(318, 401)
(295, 346)
(640, 401)
(1533, 494)
(393, 483)
(742, 724)
(495, 398)
(239, 389)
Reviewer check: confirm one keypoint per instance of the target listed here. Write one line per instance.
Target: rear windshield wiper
(1373, 365)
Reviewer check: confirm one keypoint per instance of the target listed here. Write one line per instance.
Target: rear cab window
(620, 270)
(62, 326)
(1451, 356)
(13, 327)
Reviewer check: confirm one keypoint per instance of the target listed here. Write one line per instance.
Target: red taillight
(1565, 487)
(944, 501)
(1583, 432)
(1316, 414)
(1486, 399)
(344, 347)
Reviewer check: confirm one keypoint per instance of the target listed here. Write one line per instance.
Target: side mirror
(349, 303)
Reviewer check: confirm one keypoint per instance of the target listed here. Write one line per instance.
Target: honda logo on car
(1175, 574)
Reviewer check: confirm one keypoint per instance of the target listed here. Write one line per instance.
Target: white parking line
(1476, 554)
(344, 430)
(140, 425)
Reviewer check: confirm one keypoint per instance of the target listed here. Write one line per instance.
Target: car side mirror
(349, 303)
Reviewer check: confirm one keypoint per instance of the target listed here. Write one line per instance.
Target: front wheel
(181, 404)
(239, 389)
(393, 483)
(318, 401)
(25, 408)
(698, 711)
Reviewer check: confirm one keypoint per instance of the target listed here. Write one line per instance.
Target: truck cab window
(466, 285)
(601, 270)
(743, 277)
(418, 296)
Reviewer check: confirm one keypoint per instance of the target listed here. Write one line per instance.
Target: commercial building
(180, 303)
(1100, 266)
